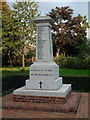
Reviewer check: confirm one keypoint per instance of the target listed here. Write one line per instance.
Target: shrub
(28, 62)
(80, 63)
(69, 62)
(72, 62)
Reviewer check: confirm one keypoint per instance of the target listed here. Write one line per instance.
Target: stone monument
(44, 83)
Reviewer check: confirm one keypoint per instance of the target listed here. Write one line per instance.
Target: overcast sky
(79, 6)
(53, 0)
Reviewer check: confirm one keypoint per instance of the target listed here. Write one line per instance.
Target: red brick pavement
(81, 113)
(71, 105)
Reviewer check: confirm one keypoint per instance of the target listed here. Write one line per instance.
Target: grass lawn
(73, 72)
(62, 71)
(14, 70)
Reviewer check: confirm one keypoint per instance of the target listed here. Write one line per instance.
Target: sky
(46, 5)
(53, 0)
(78, 7)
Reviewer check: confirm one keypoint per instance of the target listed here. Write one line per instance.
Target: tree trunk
(23, 64)
(57, 54)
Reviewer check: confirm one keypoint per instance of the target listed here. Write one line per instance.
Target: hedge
(72, 62)
(16, 81)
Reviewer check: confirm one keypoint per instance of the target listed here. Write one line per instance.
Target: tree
(68, 31)
(78, 26)
(0, 30)
(10, 36)
(24, 12)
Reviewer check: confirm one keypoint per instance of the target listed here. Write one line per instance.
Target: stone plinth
(42, 96)
(46, 73)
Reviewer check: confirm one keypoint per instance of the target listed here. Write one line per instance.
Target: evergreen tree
(10, 37)
(24, 12)
(0, 28)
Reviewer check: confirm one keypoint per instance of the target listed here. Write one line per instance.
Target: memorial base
(43, 96)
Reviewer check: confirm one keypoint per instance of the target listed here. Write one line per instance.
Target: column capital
(44, 19)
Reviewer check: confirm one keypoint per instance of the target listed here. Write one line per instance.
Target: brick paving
(71, 105)
(76, 103)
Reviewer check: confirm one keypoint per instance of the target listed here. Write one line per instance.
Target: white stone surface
(44, 50)
(61, 92)
(44, 19)
(46, 84)
(47, 73)
(44, 70)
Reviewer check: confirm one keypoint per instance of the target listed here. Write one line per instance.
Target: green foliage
(0, 28)
(10, 37)
(72, 62)
(78, 83)
(18, 30)
(28, 62)
(24, 12)
(83, 49)
(68, 32)
(12, 82)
